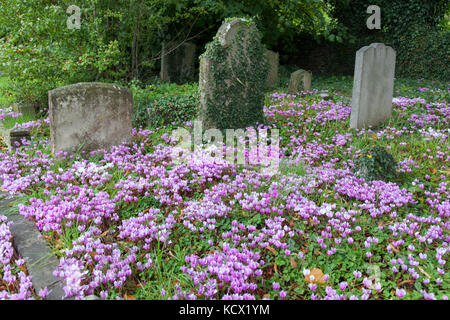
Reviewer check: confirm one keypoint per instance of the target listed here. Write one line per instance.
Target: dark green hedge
(165, 110)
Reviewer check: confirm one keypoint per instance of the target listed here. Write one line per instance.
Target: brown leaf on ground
(424, 272)
(294, 263)
(271, 249)
(318, 276)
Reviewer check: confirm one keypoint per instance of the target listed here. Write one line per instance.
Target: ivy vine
(238, 73)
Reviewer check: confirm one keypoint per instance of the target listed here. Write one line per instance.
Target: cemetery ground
(130, 223)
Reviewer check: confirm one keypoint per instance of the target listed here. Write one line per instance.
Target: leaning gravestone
(89, 116)
(272, 75)
(178, 62)
(233, 73)
(373, 85)
(300, 81)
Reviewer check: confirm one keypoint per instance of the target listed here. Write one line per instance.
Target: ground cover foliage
(131, 223)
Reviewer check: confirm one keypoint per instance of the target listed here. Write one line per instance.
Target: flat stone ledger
(373, 85)
(272, 75)
(236, 38)
(300, 81)
(29, 244)
(178, 63)
(89, 116)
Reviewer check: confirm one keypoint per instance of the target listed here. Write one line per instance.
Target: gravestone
(233, 74)
(14, 137)
(24, 109)
(300, 81)
(89, 116)
(373, 85)
(272, 75)
(178, 62)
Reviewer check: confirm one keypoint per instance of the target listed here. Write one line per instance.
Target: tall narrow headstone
(89, 116)
(373, 85)
(300, 81)
(272, 75)
(178, 62)
(233, 74)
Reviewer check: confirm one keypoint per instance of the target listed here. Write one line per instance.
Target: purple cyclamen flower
(343, 285)
(400, 293)
(43, 293)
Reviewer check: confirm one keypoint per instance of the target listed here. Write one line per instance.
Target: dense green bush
(375, 163)
(424, 53)
(120, 40)
(169, 104)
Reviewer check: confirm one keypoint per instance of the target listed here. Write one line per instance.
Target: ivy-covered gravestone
(233, 74)
(300, 81)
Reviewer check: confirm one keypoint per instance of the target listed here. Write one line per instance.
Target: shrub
(375, 163)
(169, 104)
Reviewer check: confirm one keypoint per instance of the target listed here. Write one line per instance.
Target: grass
(6, 96)
(10, 122)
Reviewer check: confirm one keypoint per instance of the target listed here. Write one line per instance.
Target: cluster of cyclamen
(77, 207)
(9, 276)
(97, 264)
(7, 112)
(231, 270)
(93, 265)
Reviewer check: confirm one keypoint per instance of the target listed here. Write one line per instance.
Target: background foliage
(120, 40)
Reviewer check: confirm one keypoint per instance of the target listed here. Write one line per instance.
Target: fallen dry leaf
(293, 262)
(129, 297)
(405, 282)
(271, 249)
(393, 248)
(424, 272)
(318, 276)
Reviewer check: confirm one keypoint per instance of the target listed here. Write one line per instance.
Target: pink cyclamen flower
(400, 293)
(283, 294)
(312, 286)
(343, 285)
(43, 293)
(276, 286)
(378, 286)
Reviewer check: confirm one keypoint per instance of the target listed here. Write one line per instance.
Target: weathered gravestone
(300, 81)
(373, 85)
(24, 109)
(178, 62)
(272, 75)
(89, 116)
(233, 73)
